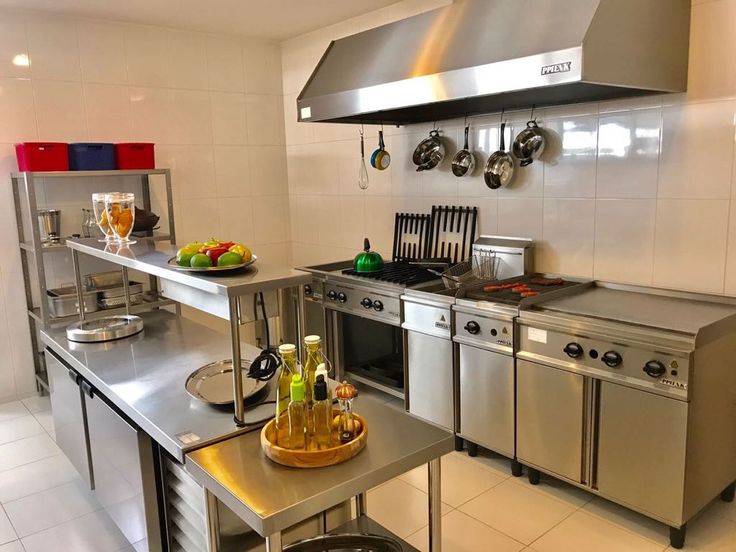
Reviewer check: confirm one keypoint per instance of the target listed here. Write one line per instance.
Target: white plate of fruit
(212, 256)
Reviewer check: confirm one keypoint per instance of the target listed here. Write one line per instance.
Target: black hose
(265, 365)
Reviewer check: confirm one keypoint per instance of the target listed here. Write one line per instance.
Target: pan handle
(502, 145)
(467, 131)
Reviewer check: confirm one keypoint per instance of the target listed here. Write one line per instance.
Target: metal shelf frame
(31, 248)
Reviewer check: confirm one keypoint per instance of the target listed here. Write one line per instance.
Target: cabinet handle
(87, 389)
(73, 376)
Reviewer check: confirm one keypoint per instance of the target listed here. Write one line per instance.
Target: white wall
(213, 105)
(637, 191)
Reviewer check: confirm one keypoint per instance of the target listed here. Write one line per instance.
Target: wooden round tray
(312, 458)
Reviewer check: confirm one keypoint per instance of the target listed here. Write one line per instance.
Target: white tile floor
(44, 506)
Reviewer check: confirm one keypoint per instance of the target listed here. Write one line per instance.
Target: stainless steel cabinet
(122, 457)
(487, 398)
(550, 419)
(68, 410)
(641, 450)
(431, 378)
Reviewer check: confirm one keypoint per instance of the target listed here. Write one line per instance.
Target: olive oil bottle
(297, 414)
(287, 352)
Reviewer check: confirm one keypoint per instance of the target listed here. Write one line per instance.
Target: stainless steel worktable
(153, 257)
(144, 377)
(270, 497)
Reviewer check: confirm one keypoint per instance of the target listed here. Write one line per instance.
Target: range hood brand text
(565, 67)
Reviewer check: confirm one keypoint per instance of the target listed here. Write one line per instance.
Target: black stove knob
(573, 350)
(612, 359)
(332, 295)
(472, 327)
(367, 303)
(654, 369)
(377, 305)
(342, 297)
(308, 290)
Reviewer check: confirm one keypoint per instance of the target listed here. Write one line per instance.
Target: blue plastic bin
(91, 157)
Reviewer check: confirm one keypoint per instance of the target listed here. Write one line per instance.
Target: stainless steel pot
(49, 221)
(529, 144)
(429, 153)
(499, 170)
(349, 542)
(463, 163)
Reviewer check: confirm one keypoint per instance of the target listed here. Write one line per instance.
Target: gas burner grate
(397, 273)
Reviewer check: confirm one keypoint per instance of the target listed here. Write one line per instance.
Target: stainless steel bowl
(429, 153)
(529, 144)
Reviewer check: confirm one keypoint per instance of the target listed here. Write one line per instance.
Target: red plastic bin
(42, 156)
(135, 155)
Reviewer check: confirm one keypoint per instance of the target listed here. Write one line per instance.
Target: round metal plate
(172, 264)
(104, 329)
(213, 383)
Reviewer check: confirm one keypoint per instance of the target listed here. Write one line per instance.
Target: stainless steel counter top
(270, 497)
(144, 377)
(153, 257)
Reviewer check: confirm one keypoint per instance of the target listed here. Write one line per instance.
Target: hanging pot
(463, 163)
(529, 144)
(499, 170)
(429, 153)
(380, 159)
(367, 260)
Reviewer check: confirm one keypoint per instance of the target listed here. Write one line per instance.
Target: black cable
(265, 365)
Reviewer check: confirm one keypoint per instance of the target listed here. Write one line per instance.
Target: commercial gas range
(638, 390)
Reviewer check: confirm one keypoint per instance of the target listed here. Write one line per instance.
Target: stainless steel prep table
(270, 497)
(220, 294)
(144, 377)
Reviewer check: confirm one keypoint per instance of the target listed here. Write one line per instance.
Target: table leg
(273, 542)
(212, 522)
(361, 507)
(435, 506)
(237, 378)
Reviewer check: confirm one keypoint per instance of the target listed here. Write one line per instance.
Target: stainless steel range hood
(479, 56)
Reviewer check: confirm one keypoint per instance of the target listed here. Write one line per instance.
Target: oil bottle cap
(297, 388)
(320, 388)
(321, 371)
(312, 340)
(286, 348)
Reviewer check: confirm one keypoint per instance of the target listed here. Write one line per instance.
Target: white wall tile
(690, 244)
(568, 230)
(268, 175)
(624, 240)
(197, 219)
(270, 218)
(14, 60)
(265, 115)
(730, 287)
(102, 51)
(224, 64)
(628, 154)
(107, 108)
(692, 133)
(60, 111)
(171, 116)
(571, 157)
(228, 118)
(192, 170)
(262, 68)
(232, 171)
(520, 217)
(16, 111)
(236, 220)
(52, 45)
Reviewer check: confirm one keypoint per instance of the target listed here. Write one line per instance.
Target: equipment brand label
(565, 67)
(674, 383)
(442, 323)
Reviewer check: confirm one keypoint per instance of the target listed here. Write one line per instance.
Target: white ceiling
(274, 19)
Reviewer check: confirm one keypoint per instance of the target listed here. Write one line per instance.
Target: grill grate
(397, 273)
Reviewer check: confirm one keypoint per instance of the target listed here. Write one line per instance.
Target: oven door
(366, 351)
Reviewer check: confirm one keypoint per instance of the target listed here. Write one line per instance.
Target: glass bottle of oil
(322, 414)
(297, 414)
(313, 352)
(287, 352)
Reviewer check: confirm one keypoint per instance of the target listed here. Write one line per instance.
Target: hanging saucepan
(367, 260)
(529, 144)
(464, 161)
(380, 159)
(499, 169)
(429, 153)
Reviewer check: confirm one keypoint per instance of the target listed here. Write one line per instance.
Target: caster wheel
(458, 443)
(677, 536)
(534, 476)
(516, 468)
(472, 449)
(728, 493)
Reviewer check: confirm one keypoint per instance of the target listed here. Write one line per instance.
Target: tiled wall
(213, 105)
(636, 191)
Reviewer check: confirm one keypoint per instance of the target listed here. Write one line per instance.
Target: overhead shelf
(77, 174)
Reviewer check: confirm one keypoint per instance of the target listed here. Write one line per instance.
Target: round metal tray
(213, 383)
(104, 329)
(172, 264)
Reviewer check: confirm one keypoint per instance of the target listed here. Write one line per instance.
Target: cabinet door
(431, 389)
(549, 418)
(641, 450)
(487, 399)
(67, 408)
(119, 455)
